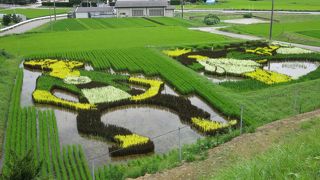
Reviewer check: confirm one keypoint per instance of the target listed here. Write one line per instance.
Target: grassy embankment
(295, 157)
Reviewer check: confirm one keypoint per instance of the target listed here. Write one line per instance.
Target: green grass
(288, 29)
(311, 33)
(297, 158)
(110, 23)
(106, 39)
(310, 5)
(33, 13)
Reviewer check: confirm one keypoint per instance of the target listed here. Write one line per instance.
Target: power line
(150, 139)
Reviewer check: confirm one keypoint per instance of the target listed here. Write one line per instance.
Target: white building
(94, 12)
(143, 8)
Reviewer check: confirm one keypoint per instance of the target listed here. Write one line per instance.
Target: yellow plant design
(198, 57)
(176, 52)
(42, 96)
(266, 51)
(207, 125)
(58, 68)
(268, 77)
(153, 90)
(131, 140)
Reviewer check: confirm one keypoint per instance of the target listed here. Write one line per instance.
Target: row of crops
(150, 62)
(107, 23)
(29, 129)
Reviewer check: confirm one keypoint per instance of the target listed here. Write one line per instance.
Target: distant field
(110, 23)
(312, 5)
(288, 29)
(315, 33)
(107, 38)
(33, 13)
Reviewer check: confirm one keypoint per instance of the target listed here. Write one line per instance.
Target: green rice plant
(34, 134)
(67, 163)
(19, 132)
(29, 128)
(72, 161)
(54, 157)
(78, 162)
(24, 132)
(84, 163)
(41, 144)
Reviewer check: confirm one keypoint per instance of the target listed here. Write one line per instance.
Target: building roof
(93, 9)
(141, 3)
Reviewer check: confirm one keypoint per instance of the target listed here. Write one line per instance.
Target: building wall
(82, 15)
(124, 12)
(169, 13)
(127, 12)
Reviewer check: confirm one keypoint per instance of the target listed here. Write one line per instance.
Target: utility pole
(241, 118)
(93, 176)
(50, 18)
(181, 2)
(180, 153)
(271, 21)
(54, 9)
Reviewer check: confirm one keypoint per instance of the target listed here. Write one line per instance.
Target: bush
(16, 19)
(175, 2)
(6, 19)
(248, 15)
(211, 19)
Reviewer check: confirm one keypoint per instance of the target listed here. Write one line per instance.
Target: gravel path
(215, 30)
(242, 147)
(28, 26)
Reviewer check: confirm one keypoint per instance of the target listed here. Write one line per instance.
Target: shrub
(248, 15)
(211, 19)
(16, 19)
(6, 19)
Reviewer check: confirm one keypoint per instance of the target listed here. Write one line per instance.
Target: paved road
(215, 30)
(246, 11)
(28, 26)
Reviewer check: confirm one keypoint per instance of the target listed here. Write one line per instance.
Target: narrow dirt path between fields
(241, 147)
(216, 30)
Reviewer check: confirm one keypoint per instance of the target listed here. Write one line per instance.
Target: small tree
(16, 19)
(6, 19)
(21, 168)
(211, 19)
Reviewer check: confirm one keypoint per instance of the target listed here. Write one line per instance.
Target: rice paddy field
(118, 93)
(311, 5)
(303, 29)
(112, 23)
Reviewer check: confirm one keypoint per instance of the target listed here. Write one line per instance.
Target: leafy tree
(21, 168)
(211, 19)
(6, 19)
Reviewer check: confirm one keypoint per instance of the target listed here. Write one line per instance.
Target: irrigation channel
(149, 121)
